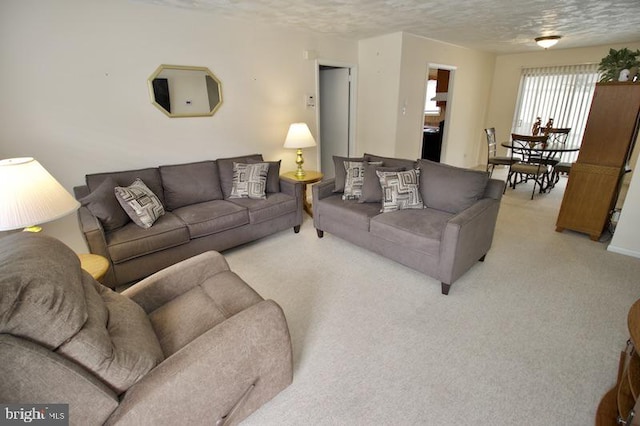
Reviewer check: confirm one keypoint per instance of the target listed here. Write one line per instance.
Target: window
(430, 107)
(563, 93)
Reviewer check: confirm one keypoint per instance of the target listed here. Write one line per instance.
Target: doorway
(438, 88)
(335, 113)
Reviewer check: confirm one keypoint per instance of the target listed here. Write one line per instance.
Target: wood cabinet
(594, 180)
(621, 404)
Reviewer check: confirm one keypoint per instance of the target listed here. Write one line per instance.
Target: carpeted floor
(531, 336)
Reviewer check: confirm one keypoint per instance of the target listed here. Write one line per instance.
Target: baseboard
(621, 250)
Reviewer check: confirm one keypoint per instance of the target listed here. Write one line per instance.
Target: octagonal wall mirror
(183, 91)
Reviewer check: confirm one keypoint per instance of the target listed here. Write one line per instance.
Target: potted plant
(618, 60)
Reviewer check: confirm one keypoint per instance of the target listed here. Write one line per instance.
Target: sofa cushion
(354, 179)
(272, 206)
(448, 188)
(102, 203)
(131, 241)
(192, 183)
(350, 212)
(116, 342)
(415, 229)
(273, 177)
(249, 180)
(150, 177)
(371, 189)
(41, 294)
(212, 216)
(225, 168)
(391, 162)
(140, 203)
(200, 309)
(340, 171)
(400, 190)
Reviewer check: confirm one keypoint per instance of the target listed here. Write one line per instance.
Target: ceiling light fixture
(547, 41)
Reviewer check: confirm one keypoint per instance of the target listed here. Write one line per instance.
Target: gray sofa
(191, 345)
(451, 231)
(199, 215)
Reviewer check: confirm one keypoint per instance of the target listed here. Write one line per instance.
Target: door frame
(447, 115)
(352, 104)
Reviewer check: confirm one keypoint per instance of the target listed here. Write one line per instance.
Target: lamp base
(32, 229)
(299, 161)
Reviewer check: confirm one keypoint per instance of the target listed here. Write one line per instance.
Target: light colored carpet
(531, 336)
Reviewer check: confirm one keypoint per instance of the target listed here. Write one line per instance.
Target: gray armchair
(192, 344)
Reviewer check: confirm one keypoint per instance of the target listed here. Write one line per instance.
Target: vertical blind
(563, 93)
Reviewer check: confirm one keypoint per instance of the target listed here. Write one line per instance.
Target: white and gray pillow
(400, 190)
(249, 180)
(354, 179)
(140, 203)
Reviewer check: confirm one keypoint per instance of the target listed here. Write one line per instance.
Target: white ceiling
(501, 26)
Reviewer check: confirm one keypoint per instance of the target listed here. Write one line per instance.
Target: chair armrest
(466, 238)
(323, 189)
(169, 283)
(211, 375)
(33, 374)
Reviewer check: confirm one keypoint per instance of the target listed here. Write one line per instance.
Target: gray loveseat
(199, 215)
(190, 345)
(446, 236)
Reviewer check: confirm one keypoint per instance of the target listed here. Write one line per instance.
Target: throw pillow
(400, 190)
(448, 188)
(102, 203)
(340, 172)
(249, 180)
(273, 176)
(371, 189)
(140, 203)
(354, 178)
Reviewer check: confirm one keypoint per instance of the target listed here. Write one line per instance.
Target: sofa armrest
(295, 189)
(33, 374)
(467, 238)
(169, 283)
(234, 367)
(494, 189)
(323, 189)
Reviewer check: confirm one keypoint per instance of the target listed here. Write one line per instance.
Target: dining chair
(527, 163)
(494, 160)
(559, 134)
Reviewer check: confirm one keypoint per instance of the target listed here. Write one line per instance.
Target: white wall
(393, 71)
(378, 90)
(74, 87)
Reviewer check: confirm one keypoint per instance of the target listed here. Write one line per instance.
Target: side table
(94, 264)
(309, 177)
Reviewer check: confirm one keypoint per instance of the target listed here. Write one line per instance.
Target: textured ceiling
(502, 26)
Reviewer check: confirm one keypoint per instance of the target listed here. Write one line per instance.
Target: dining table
(545, 153)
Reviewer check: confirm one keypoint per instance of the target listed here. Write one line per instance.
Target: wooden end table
(310, 176)
(94, 264)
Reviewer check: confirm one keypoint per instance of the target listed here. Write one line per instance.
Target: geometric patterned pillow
(354, 179)
(400, 190)
(140, 203)
(249, 180)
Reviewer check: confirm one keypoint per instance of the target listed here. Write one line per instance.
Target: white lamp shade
(29, 195)
(299, 136)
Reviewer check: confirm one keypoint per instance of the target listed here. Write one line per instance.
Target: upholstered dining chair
(527, 165)
(494, 160)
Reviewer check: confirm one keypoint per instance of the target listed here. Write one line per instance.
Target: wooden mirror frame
(178, 91)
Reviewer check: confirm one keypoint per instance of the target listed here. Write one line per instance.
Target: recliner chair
(191, 344)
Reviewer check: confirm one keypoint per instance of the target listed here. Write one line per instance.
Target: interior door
(334, 103)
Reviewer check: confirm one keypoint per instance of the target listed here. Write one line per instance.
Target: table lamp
(298, 137)
(29, 195)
